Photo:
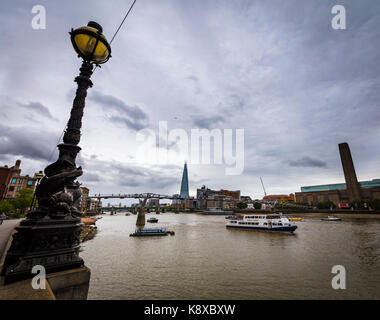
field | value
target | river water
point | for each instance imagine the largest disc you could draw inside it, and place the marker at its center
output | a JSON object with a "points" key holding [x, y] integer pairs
{"points": [[204, 260]]}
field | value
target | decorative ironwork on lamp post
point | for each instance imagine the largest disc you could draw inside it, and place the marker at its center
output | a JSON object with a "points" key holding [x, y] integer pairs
{"points": [[50, 235]]}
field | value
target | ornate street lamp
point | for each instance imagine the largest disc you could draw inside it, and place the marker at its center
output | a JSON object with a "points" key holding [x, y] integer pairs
{"points": [[50, 235], [90, 44]]}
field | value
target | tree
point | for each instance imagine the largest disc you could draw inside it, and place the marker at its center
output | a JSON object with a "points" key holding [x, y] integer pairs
{"points": [[325, 205], [5, 206], [242, 205], [357, 204], [375, 204], [23, 199], [257, 205]]}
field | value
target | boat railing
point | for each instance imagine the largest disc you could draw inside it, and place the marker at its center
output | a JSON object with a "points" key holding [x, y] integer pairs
{"points": [[151, 230], [234, 217]]}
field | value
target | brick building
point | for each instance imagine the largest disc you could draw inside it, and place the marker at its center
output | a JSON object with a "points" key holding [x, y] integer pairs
{"points": [[337, 193], [341, 193], [279, 197], [84, 201], [206, 192], [5, 178], [225, 199], [11, 180], [94, 206]]}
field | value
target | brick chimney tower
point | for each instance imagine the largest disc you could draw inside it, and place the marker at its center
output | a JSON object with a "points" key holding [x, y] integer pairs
{"points": [[353, 187]]}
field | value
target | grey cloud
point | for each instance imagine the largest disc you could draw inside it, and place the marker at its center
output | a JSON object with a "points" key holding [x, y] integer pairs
{"points": [[132, 124], [39, 108], [91, 177], [207, 122], [4, 157], [165, 182], [308, 162], [132, 182], [110, 101], [131, 116], [30, 143], [131, 178], [157, 183], [193, 78], [126, 169], [196, 83]]}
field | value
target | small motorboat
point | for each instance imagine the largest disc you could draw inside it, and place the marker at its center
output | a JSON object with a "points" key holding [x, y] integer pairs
{"points": [[149, 233], [295, 219], [331, 218], [152, 220], [152, 232]]}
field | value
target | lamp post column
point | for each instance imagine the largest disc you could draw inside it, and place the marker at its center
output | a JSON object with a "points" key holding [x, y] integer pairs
{"points": [[72, 134], [50, 235], [58, 195]]}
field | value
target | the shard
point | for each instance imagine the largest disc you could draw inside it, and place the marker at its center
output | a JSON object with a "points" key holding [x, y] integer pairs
{"points": [[184, 193]]}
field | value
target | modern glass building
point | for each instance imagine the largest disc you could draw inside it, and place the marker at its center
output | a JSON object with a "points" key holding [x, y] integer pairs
{"points": [[184, 193], [340, 186]]}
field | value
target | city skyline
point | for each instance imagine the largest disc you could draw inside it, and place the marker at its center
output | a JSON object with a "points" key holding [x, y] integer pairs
{"points": [[225, 66]]}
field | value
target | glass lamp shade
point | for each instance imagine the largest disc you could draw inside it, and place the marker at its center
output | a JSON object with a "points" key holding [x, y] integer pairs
{"points": [[91, 44], [39, 175]]}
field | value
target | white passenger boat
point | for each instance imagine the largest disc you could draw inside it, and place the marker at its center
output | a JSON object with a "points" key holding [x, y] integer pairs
{"points": [[261, 222]]}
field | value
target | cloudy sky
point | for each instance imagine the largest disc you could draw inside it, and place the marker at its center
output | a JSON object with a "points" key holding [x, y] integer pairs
{"points": [[276, 69]]}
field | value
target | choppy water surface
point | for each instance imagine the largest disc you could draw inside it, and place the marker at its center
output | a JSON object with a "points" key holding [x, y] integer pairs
{"points": [[204, 260]]}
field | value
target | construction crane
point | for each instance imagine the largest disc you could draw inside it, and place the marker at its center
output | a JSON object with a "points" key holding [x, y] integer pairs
{"points": [[262, 183]]}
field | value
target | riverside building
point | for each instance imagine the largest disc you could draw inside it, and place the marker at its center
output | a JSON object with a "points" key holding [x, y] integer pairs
{"points": [[11, 180], [337, 193], [223, 199], [341, 193]]}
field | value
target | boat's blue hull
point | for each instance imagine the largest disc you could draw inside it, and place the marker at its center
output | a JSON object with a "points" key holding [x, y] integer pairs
{"points": [[283, 229]]}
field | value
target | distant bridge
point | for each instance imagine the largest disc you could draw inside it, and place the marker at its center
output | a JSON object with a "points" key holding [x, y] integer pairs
{"points": [[135, 196]]}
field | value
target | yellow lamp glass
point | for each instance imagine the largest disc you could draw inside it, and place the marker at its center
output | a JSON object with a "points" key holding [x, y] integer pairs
{"points": [[86, 42]]}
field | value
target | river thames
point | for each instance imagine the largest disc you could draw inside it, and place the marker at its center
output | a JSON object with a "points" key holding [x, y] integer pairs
{"points": [[204, 260]]}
